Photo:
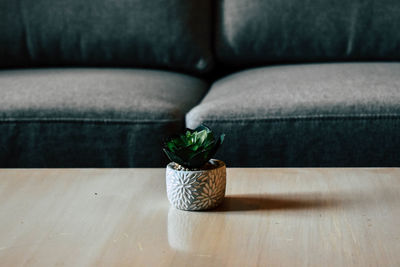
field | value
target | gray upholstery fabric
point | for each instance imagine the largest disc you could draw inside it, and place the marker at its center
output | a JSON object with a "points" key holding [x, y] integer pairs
{"points": [[256, 32], [91, 117], [307, 115], [172, 34]]}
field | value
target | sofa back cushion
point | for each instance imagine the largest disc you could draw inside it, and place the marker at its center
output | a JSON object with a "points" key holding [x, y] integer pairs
{"points": [[172, 34], [257, 32]]}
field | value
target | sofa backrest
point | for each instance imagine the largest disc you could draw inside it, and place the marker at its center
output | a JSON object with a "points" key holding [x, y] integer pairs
{"points": [[255, 32], [179, 34], [172, 34]]}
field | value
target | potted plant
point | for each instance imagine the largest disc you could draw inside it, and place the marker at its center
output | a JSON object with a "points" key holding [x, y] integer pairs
{"points": [[194, 180]]}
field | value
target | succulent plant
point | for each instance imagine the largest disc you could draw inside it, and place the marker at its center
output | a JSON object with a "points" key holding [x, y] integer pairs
{"points": [[194, 148]]}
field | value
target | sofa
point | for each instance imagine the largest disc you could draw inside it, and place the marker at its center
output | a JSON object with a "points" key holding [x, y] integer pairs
{"points": [[101, 83]]}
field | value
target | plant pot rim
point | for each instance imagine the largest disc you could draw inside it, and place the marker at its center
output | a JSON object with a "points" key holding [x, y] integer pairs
{"points": [[215, 162]]}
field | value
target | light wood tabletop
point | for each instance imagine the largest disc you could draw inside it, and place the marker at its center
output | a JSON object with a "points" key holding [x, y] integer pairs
{"points": [[270, 217]]}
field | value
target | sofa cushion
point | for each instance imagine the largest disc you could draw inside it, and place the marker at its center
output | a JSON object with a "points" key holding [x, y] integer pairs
{"points": [[91, 117], [173, 34], [256, 32], [307, 115]]}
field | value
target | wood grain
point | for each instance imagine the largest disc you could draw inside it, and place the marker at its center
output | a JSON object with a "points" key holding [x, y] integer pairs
{"points": [[270, 217]]}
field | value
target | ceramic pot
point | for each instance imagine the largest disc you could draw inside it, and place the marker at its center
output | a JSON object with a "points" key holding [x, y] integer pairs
{"points": [[196, 190]]}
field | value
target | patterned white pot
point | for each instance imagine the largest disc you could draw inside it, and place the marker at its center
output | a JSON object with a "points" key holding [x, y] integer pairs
{"points": [[196, 190]]}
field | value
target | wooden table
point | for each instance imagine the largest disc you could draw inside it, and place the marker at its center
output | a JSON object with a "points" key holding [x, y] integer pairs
{"points": [[271, 217]]}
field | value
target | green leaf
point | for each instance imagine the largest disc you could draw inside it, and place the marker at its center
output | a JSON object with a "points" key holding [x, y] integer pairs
{"points": [[173, 157], [171, 146], [178, 142], [184, 141], [200, 137], [201, 128], [209, 140], [193, 148], [222, 138], [199, 159]]}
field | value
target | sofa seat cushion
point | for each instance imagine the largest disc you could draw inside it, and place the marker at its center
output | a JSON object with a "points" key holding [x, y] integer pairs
{"points": [[91, 117], [344, 114]]}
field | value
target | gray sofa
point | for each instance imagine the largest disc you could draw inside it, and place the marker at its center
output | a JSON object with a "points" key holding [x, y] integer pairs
{"points": [[101, 83]]}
